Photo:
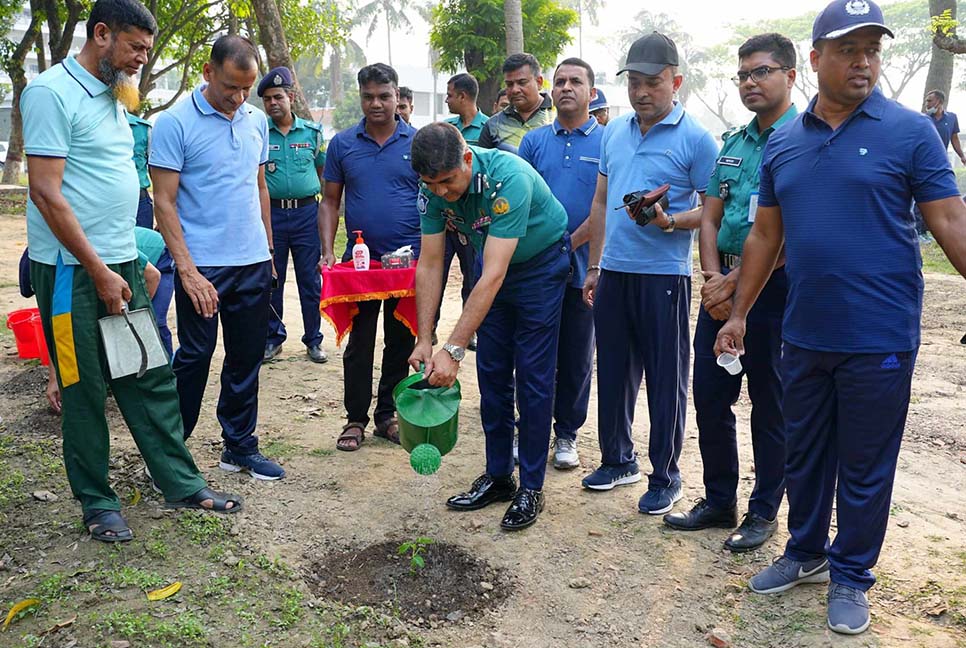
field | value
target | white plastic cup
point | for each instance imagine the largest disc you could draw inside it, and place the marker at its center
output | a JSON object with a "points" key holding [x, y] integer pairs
{"points": [[730, 363]]}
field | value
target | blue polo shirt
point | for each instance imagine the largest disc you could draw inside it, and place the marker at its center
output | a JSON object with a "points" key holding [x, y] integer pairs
{"points": [[379, 185], [852, 254], [70, 114], [218, 159], [678, 151], [568, 162], [946, 126]]}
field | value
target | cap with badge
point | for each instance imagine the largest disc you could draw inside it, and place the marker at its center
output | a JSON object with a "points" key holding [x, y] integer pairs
{"points": [[599, 102], [280, 77], [650, 55], [844, 16]]}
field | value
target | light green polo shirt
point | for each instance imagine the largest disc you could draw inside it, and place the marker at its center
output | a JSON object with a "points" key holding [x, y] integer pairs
{"points": [[472, 132], [294, 160], [506, 199], [141, 130], [69, 114], [737, 169]]}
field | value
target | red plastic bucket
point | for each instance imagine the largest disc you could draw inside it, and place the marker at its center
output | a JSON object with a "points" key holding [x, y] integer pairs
{"points": [[40, 339], [21, 323]]}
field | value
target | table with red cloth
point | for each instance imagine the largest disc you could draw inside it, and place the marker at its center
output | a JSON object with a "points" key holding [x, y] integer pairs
{"points": [[343, 286]]}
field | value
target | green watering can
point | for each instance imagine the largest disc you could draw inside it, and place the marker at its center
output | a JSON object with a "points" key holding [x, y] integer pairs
{"points": [[427, 414]]}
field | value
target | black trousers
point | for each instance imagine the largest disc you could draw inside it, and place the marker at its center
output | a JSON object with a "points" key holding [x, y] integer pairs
{"points": [[358, 359]]}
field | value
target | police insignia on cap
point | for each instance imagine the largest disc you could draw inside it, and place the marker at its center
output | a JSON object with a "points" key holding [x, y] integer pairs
{"points": [[724, 190], [277, 79], [857, 8], [422, 203], [501, 206]]}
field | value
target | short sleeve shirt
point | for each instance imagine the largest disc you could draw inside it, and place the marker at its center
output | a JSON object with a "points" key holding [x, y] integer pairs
{"points": [[735, 180], [472, 132], [150, 244], [294, 160], [947, 126], [568, 162], [68, 113], [677, 151], [380, 187], [141, 130], [506, 199], [852, 255], [505, 129], [218, 159]]}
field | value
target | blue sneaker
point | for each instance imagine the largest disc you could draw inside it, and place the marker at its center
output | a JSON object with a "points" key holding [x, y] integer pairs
{"points": [[848, 609], [610, 475], [785, 573], [659, 500], [255, 465]]}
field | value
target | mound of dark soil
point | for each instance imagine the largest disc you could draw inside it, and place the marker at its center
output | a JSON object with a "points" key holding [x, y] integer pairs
{"points": [[453, 585], [29, 381]]}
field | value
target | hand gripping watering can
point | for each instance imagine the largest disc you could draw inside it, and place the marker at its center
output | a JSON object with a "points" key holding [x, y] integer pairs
{"points": [[428, 420]]}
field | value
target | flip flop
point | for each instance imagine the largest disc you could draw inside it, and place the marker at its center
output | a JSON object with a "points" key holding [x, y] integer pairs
{"points": [[107, 526], [219, 502], [353, 434], [388, 430]]}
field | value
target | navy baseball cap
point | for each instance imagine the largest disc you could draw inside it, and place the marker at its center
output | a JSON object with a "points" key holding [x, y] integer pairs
{"points": [[600, 101], [280, 77], [843, 16], [650, 55]]}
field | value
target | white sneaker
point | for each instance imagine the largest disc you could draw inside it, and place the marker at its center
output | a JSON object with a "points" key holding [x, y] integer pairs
{"points": [[516, 449], [565, 454]]}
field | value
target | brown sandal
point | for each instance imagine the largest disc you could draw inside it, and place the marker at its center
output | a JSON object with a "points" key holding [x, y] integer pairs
{"points": [[388, 430], [353, 434]]}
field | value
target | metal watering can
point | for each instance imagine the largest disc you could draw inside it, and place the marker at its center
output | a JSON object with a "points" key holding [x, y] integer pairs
{"points": [[427, 414]]}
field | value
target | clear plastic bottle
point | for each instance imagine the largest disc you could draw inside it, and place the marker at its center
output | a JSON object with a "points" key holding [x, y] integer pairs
{"points": [[360, 252]]}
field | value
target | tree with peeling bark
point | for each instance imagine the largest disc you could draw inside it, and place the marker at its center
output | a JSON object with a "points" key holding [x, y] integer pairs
{"points": [[945, 43], [513, 18], [12, 57]]}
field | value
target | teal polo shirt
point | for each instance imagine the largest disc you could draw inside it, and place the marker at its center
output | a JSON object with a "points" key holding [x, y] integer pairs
{"points": [[735, 180], [141, 130], [70, 114], [294, 160], [472, 132], [507, 199]]}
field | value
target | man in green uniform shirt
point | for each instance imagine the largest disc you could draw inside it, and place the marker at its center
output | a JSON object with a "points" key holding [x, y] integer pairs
{"points": [[462, 91], [503, 206], [294, 176], [141, 130]]}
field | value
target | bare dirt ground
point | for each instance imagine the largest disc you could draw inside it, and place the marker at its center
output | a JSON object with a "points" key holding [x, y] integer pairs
{"points": [[593, 572]]}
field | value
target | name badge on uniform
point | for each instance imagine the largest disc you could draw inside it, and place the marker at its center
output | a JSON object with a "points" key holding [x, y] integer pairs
{"points": [[725, 160], [752, 207], [724, 190], [274, 147]]}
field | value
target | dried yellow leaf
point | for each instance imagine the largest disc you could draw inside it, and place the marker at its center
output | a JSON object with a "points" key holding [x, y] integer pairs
{"points": [[18, 608], [164, 592], [135, 497]]}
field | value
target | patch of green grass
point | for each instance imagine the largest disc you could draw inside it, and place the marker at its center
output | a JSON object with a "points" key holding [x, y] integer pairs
{"points": [[291, 611], [180, 631], [128, 576], [281, 449], [934, 260], [203, 529], [53, 587], [218, 586], [275, 566], [321, 452], [157, 547], [10, 482]]}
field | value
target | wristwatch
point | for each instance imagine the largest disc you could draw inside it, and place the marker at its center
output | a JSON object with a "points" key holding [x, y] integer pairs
{"points": [[457, 353], [670, 224]]}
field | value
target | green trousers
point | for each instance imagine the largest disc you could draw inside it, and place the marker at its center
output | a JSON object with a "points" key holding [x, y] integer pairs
{"points": [[149, 404]]}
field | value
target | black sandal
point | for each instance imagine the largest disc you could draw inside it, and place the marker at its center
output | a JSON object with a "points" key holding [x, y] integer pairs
{"points": [[388, 430], [107, 526], [219, 502]]}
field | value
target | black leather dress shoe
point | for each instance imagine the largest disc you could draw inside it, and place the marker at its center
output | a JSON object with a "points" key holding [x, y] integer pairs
{"points": [[272, 350], [484, 491], [702, 516], [527, 504], [752, 533]]}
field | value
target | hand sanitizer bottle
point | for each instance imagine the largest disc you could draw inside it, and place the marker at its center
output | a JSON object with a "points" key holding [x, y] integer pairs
{"points": [[360, 252]]}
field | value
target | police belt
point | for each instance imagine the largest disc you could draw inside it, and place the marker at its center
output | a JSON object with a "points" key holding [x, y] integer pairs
{"points": [[730, 260], [294, 203]]}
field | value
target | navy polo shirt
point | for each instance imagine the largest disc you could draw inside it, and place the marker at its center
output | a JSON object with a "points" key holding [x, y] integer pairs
{"points": [[379, 185], [853, 264], [568, 162], [946, 126]]}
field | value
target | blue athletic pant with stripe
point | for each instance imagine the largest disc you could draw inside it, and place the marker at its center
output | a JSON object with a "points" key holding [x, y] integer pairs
{"points": [[642, 329]]}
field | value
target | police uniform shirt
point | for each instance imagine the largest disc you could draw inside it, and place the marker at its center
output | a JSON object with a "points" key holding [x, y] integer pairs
{"points": [[294, 160], [472, 132], [141, 130], [506, 199], [735, 180], [505, 129], [852, 254]]}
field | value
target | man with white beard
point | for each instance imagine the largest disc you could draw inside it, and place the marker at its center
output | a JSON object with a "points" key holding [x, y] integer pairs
{"points": [[84, 265]]}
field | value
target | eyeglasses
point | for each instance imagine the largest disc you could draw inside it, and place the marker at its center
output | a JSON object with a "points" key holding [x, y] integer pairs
{"points": [[757, 75]]}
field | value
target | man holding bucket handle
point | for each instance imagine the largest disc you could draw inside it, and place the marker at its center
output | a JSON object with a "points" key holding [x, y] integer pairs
{"points": [[503, 206], [84, 265]]}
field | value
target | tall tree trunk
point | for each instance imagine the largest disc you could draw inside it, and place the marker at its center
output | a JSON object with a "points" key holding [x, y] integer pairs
{"points": [[18, 79], [513, 17], [272, 37], [41, 53], [233, 25], [335, 76], [940, 75], [61, 36], [389, 38]]}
